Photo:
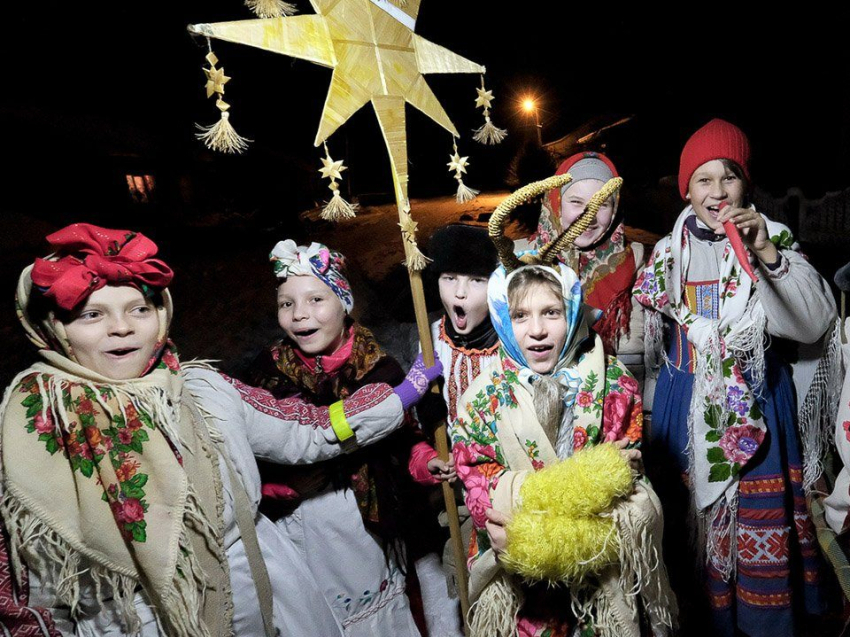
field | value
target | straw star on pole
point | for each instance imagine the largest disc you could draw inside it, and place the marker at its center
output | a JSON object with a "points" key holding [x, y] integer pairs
{"points": [[376, 57]]}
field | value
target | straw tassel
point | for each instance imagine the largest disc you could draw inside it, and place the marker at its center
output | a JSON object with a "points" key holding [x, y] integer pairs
{"points": [[221, 136], [337, 208], [415, 261], [488, 133], [271, 8], [458, 164]]}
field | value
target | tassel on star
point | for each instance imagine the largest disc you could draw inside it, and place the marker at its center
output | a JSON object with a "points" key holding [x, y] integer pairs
{"points": [[489, 133], [337, 208], [271, 8], [458, 164], [221, 136]]}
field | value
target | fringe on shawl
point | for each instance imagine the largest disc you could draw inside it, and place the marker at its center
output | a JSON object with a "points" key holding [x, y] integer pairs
{"points": [[495, 612], [616, 322], [33, 542], [653, 342], [714, 527], [613, 610], [642, 571], [817, 414]]}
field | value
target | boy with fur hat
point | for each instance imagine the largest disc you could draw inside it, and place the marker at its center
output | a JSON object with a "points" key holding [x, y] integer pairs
{"points": [[464, 338]]}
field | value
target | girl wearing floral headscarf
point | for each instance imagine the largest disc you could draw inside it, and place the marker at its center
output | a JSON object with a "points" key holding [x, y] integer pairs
{"points": [[724, 430], [553, 395], [129, 487], [352, 515], [605, 261]]}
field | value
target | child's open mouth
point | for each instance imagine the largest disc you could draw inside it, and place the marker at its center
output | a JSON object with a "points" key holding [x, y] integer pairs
{"points": [[459, 317], [302, 334], [713, 210], [121, 352], [540, 352]]}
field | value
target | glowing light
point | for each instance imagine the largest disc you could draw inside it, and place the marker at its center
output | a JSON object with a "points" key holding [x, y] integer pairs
{"points": [[528, 105]]}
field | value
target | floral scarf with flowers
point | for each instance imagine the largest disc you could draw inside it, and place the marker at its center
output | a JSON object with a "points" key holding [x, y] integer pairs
{"points": [[93, 482], [725, 423], [607, 271], [497, 433], [316, 260], [496, 436], [500, 316]]}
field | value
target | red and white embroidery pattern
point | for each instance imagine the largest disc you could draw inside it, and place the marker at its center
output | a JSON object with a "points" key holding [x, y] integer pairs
{"points": [[297, 410], [16, 618], [763, 546]]}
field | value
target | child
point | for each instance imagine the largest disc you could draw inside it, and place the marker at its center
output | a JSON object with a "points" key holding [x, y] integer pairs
{"points": [[464, 338], [552, 394], [724, 417], [350, 516], [606, 263], [129, 484]]}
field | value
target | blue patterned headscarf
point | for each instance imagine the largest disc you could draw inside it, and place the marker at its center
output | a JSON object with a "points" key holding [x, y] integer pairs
{"points": [[497, 299], [316, 260]]}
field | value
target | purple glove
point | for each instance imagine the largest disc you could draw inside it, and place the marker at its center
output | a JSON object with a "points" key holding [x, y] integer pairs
{"points": [[415, 384]]}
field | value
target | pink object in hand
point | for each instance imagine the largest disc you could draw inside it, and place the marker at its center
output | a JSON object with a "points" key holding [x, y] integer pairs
{"points": [[738, 245]]}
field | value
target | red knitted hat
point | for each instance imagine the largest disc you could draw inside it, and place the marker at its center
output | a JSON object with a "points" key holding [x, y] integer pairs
{"points": [[716, 140]]}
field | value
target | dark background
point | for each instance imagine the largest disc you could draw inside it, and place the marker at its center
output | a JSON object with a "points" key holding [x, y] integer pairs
{"points": [[92, 92]]}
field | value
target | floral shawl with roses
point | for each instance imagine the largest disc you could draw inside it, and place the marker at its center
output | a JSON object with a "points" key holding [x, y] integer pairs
{"points": [[725, 423], [95, 489], [497, 430], [497, 438]]}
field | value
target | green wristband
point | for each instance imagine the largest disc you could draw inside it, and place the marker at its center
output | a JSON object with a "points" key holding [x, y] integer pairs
{"points": [[338, 422]]}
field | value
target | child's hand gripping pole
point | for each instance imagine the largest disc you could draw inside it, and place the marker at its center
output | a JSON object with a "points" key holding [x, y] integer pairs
{"points": [[738, 245]]}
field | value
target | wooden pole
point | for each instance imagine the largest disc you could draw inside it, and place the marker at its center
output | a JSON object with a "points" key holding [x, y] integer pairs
{"points": [[390, 112]]}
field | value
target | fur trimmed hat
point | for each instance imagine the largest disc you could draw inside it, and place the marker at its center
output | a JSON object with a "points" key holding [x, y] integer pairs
{"points": [[462, 249]]}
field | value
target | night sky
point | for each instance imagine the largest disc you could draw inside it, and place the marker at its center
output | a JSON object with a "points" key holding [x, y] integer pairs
{"points": [[94, 90]]}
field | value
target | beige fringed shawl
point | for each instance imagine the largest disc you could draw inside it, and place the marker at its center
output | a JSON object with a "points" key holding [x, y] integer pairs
{"points": [[110, 487], [609, 600]]}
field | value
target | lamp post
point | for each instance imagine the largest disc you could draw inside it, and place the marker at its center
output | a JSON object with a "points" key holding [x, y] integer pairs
{"points": [[530, 106]]}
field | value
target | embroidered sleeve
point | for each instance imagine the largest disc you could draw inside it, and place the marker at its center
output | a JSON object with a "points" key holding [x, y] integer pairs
{"points": [[292, 431], [302, 412], [622, 408]]}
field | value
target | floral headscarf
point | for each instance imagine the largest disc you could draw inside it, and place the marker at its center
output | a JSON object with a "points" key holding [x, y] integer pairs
{"points": [[317, 260], [500, 315], [109, 473], [607, 269]]}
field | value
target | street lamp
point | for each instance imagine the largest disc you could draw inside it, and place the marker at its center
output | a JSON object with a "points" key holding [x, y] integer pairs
{"points": [[530, 106]]}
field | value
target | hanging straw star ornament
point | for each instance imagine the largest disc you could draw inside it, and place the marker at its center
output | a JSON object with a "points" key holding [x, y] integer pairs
{"points": [[337, 208], [458, 164], [487, 134], [415, 261], [221, 136], [271, 8]]}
